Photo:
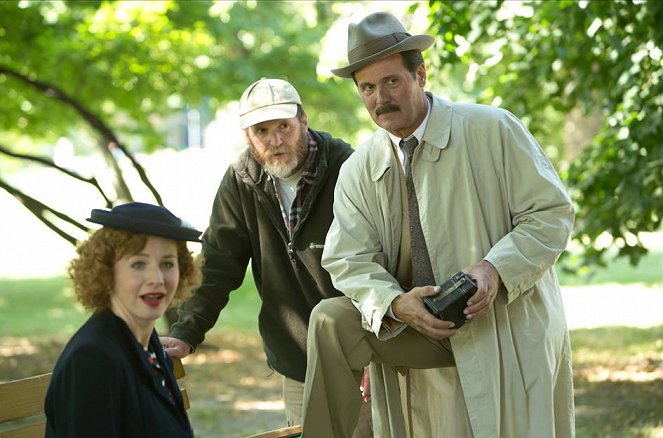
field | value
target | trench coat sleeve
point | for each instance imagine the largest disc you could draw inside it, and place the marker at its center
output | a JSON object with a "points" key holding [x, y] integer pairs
{"points": [[86, 406], [540, 210], [354, 248]]}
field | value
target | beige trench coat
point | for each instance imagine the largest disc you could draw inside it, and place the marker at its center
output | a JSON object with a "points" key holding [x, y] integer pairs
{"points": [[486, 191]]}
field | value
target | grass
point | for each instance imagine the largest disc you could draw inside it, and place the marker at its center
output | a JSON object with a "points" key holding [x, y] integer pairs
{"points": [[37, 308], [53, 297], [607, 346], [618, 377], [618, 371]]}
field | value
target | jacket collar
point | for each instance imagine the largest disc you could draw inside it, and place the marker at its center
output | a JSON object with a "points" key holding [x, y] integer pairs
{"points": [[436, 138]]}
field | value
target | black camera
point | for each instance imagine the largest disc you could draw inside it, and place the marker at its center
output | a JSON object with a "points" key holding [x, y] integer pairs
{"points": [[450, 302]]}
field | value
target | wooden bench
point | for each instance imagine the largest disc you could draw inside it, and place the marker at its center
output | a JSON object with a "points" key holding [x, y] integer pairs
{"points": [[286, 432], [22, 404], [178, 370], [22, 407]]}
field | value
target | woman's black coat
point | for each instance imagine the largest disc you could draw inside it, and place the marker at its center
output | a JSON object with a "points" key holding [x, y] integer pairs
{"points": [[102, 386]]}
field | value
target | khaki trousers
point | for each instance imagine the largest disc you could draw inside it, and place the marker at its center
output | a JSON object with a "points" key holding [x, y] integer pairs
{"points": [[293, 394], [338, 350]]}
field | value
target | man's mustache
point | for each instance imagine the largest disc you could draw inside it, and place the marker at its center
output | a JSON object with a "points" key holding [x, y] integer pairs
{"points": [[277, 150], [388, 108]]}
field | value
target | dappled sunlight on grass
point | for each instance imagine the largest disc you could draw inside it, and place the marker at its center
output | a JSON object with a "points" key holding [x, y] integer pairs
{"points": [[616, 337], [220, 356], [633, 374], [618, 354], [655, 432], [618, 378], [231, 388], [259, 405], [17, 347], [620, 409], [645, 367], [22, 357]]}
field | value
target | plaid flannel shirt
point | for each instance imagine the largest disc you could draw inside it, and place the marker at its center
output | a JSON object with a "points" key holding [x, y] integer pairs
{"points": [[309, 173]]}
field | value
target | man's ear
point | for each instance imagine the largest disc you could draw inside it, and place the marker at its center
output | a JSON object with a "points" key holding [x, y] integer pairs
{"points": [[246, 135], [304, 119], [421, 75]]}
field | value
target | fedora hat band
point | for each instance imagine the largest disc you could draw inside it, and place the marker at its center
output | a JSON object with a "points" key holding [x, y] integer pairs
{"points": [[375, 46]]}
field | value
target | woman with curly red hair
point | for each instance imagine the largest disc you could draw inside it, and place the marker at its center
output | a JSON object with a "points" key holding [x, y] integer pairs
{"points": [[113, 378]]}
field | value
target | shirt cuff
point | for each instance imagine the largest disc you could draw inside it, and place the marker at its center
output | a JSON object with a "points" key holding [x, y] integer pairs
{"points": [[390, 314]]}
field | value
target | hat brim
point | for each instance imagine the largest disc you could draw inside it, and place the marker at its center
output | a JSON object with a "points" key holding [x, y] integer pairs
{"points": [[418, 42], [141, 226], [272, 112]]}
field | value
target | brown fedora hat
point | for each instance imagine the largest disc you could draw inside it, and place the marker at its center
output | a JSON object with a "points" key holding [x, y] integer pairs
{"points": [[378, 36]]}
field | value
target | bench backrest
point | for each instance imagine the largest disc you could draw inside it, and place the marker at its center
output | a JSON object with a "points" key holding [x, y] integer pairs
{"points": [[22, 404], [22, 407], [178, 370], [286, 432]]}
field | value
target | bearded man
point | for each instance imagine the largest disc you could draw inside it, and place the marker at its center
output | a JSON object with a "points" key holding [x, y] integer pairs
{"points": [[273, 208]]}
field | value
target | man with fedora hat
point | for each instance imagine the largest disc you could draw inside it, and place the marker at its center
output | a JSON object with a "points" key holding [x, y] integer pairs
{"points": [[273, 209], [440, 188]]}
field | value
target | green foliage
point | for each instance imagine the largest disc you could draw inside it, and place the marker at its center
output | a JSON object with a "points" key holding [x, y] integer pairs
{"points": [[543, 59], [111, 75], [133, 63]]}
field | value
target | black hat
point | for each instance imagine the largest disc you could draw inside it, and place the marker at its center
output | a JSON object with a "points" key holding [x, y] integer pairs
{"points": [[142, 218]]}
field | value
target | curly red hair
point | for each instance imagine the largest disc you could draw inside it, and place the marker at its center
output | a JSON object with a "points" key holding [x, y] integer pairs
{"points": [[92, 271]]}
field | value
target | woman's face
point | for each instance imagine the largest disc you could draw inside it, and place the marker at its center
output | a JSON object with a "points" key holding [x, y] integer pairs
{"points": [[144, 284]]}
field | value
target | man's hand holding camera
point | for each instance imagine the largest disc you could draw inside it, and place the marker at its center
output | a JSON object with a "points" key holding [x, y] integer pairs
{"points": [[409, 308], [488, 280]]}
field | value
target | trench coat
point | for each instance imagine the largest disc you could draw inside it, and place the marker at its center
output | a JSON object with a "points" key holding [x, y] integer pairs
{"points": [[486, 190]]}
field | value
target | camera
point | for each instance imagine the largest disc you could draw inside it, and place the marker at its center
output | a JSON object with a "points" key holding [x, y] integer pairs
{"points": [[450, 302]]}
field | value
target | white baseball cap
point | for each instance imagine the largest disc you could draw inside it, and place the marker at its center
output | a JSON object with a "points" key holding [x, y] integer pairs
{"points": [[267, 99]]}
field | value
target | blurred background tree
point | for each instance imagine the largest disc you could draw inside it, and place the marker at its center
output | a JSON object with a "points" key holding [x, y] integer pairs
{"points": [[112, 77], [108, 75], [587, 79]]}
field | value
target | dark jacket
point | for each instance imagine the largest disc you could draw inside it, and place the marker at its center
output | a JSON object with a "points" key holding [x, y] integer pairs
{"points": [[102, 386], [246, 224]]}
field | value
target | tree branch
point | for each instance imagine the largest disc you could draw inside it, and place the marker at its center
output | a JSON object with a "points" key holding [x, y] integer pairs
{"points": [[50, 163], [97, 124], [38, 209]]}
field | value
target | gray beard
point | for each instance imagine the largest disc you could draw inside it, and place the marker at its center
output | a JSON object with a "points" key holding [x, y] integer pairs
{"points": [[280, 168]]}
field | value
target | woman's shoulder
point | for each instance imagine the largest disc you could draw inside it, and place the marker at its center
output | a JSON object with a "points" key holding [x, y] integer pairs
{"points": [[96, 341]]}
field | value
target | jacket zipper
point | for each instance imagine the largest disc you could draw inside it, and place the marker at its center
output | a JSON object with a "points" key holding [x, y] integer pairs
{"points": [[278, 219], [291, 254]]}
